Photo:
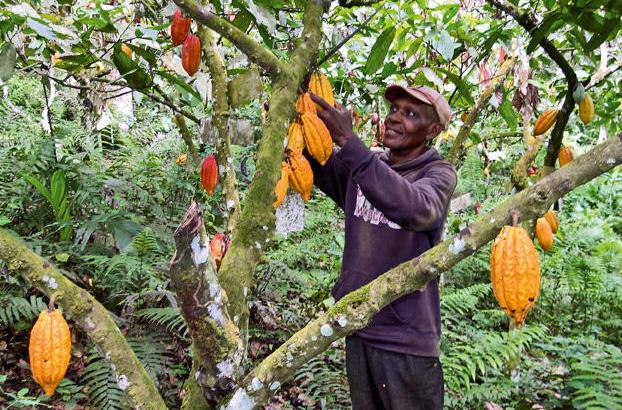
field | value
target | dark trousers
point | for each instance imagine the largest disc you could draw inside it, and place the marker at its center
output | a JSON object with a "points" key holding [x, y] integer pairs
{"points": [[383, 380]]}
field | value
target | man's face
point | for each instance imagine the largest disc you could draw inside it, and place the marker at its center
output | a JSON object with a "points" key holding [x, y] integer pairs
{"points": [[408, 125]]}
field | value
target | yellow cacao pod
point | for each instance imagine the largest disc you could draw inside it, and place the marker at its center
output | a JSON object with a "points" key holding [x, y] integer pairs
{"points": [[281, 185], [295, 137], [304, 103], [317, 137], [544, 233], [515, 272], [586, 109], [551, 218], [546, 121], [565, 155], [319, 84], [49, 349], [300, 175]]}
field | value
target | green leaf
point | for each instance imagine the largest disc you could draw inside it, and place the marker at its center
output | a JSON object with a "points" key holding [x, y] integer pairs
{"points": [[57, 188], [445, 45], [596, 40], [465, 92], [548, 25], [507, 112], [173, 79], [8, 56], [379, 50], [243, 20], [62, 257], [38, 185], [41, 29], [135, 75], [4, 220]]}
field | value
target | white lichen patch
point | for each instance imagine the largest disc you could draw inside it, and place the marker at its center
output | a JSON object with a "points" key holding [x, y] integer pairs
{"points": [[264, 227], [457, 246], [230, 203], [245, 290], [122, 382], [241, 401], [197, 375], [225, 369], [229, 160], [52, 283], [214, 290], [492, 220], [216, 313], [289, 357], [275, 385], [342, 321], [256, 384], [221, 169], [313, 338], [326, 330], [285, 142], [611, 161], [257, 245], [236, 318], [200, 254]]}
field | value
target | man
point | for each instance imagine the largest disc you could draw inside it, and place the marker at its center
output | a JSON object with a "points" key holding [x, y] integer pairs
{"points": [[395, 205]]}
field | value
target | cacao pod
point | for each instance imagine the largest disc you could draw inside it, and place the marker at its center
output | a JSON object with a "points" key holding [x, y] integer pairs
{"points": [[531, 171], [515, 272], [374, 119], [317, 137], [551, 218], [565, 155], [319, 84], [128, 51], [49, 349], [464, 116], [191, 54], [281, 185], [586, 109], [578, 94], [180, 27], [304, 103], [546, 121], [181, 159], [295, 137], [300, 175], [544, 233], [209, 173], [218, 247]]}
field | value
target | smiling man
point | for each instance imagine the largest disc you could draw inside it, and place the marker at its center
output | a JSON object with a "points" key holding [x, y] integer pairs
{"points": [[395, 205]]}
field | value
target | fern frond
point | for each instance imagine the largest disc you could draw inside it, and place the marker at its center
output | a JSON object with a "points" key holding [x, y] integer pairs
{"points": [[460, 301], [16, 309], [103, 392], [170, 317], [152, 353]]}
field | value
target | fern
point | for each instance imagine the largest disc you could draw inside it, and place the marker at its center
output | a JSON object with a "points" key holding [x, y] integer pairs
{"points": [[152, 353], [460, 301], [145, 244], [103, 391], [170, 317], [14, 310]]}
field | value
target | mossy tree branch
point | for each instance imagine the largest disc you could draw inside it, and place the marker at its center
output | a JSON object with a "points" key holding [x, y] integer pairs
{"points": [[255, 51], [87, 313], [358, 307], [180, 121], [465, 130]]}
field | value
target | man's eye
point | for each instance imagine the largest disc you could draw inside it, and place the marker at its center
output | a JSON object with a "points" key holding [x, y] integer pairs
{"points": [[411, 113]]}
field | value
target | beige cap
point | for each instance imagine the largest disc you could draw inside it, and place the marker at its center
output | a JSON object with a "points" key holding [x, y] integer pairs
{"points": [[426, 95]]}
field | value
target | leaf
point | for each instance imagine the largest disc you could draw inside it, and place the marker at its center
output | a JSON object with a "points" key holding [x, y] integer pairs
{"points": [[57, 188], [596, 40], [38, 185], [379, 50], [548, 25], [41, 29], [174, 80], [62, 257], [4, 220], [8, 56], [243, 19], [135, 75], [445, 46], [507, 112], [461, 85]]}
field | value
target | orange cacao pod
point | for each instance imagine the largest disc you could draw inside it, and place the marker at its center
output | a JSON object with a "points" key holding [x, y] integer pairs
{"points": [[551, 218], [180, 27], [281, 185], [515, 272], [317, 137], [218, 247], [565, 155], [209, 173], [544, 233], [586, 109], [128, 51], [305, 103], [546, 121], [319, 84], [301, 175], [295, 137], [191, 54], [49, 349]]}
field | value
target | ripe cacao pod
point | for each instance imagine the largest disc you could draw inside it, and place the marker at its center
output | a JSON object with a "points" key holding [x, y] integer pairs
{"points": [[544, 233], [281, 185], [546, 121], [317, 137], [300, 175], [319, 84], [218, 247], [515, 272], [586, 109], [464, 116], [49, 349], [295, 137], [565, 155], [551, 218], [180, 27], [304, 103], [209, 173], [128, 51], [191, 54]]}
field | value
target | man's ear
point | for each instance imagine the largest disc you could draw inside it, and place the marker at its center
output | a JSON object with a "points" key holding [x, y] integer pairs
{"points": [[434, 130]]}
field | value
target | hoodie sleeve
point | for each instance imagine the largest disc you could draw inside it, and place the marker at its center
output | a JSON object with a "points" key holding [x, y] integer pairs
{"points": [[418, 206], [331, 178]]}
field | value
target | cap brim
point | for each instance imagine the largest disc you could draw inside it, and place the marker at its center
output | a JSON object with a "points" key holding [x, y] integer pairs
{"points": [[394, 91]]}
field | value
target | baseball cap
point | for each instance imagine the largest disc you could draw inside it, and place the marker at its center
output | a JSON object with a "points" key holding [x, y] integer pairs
{"points": [[424, 94]]}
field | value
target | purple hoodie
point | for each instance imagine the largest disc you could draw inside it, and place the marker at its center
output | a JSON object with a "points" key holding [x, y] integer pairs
{"points": [[393, 213]]}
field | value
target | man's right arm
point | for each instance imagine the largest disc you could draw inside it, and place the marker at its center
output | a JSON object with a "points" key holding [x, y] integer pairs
{"points": [[332, 178]]}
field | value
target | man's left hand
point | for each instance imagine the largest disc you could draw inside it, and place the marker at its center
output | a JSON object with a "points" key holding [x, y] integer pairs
{"points": [[337, 119]]}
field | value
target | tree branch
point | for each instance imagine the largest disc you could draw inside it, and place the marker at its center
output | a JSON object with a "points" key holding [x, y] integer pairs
{"points": [[358, 307], [88, 314], [180, 121]]}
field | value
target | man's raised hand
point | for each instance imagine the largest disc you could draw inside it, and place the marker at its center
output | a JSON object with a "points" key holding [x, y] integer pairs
{"points": [[337, 119]]}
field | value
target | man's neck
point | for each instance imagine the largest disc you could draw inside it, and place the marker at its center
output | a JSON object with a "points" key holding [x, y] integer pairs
{"points": [[397, 157]]}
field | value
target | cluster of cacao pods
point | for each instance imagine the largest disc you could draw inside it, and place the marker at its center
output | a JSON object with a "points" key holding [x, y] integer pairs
{"points": [[545, 228], [49, 349], [191, 44], [515, 272], [306, 130], [209, 173], [218, 246]]}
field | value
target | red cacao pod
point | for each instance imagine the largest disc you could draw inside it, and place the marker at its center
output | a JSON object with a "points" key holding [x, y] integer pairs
{"points": [[218, 247], [531, 171], [209, 173], [180, 27], [374, 119], [191, 54]]}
